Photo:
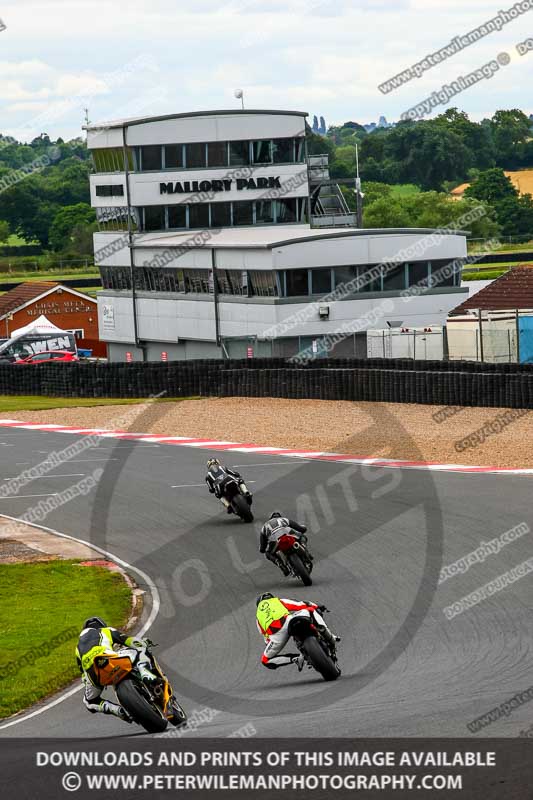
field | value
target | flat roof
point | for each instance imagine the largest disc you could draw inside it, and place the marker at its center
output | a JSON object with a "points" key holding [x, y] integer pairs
{"points": [[120, 123], [268, 237]]}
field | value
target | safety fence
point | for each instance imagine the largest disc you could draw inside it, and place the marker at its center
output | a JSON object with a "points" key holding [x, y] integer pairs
{"points": [[399, 381]]}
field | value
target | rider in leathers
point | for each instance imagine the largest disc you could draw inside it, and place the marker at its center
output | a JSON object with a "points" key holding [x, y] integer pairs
{"points": [[97, 639], [217, 475], [272, 617], [271, 527]]}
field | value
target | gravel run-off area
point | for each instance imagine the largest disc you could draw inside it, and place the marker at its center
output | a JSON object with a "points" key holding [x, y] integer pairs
{"points": [[389, 430]]}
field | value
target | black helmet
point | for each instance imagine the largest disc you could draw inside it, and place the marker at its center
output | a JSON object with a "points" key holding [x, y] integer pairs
{"points": [[94, 622], [264, 596], [276, 514], [213, 462]]}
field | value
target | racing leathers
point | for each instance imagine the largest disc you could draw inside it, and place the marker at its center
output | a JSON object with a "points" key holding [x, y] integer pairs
{"points": [[216, 479], [272, 618], [94, 643], [274, 526]]}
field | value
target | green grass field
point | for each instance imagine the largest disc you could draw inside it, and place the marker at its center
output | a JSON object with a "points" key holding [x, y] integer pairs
{"points": [[486, 275], [47, 275], [14, 240], [41, 601], [10, 404], [404, 189]]}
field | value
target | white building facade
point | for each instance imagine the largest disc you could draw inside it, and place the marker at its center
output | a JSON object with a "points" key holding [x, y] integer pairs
{"points": [[219, 237]]}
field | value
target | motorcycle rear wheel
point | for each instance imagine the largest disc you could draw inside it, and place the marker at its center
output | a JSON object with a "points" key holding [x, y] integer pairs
{"points": [[139, 708], [320, 660], [298, 566], [242, 508]]}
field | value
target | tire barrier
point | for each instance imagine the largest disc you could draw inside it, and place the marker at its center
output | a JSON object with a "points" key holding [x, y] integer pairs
{"points": [[394, 381]]}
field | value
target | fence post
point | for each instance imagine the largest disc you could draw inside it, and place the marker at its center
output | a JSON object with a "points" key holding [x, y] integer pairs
{"points": [[517, 319], [481, 352]]}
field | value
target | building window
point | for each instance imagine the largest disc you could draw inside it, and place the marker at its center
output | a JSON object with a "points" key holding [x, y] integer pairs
{"points": [[283, 151], [394, 278], [301, 205], [217, 154], [232, 281], [243, 213], [158, 279], [115, 278], [177, 216], [173, 156], [444, 273], [151, 158], [320, 281], [262, 151], [345, 275], [111, 218], [110, 190], [285, 210], [154, 218], [296, 282], [418, 273], [198, 281], [199, 215], [239, 154], [369, 278], [264, 212], [262, 283], [195, 155], [111, 159], [220, 215]]}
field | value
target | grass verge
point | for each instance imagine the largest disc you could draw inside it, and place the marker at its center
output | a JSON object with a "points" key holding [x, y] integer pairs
{"points": [[48, 275], [9, 403], [43, 608]]}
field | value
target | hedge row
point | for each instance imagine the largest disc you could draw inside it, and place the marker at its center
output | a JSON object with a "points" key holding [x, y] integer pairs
{"points": [[190, 378]]}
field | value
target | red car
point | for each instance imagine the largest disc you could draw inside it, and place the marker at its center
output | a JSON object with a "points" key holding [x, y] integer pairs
{"points": [[51, 355]]}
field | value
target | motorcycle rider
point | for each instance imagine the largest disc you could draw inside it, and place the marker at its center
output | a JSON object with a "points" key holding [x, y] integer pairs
{"points": [[272, 617], [97, 639], [272, 526], [216, 478]]}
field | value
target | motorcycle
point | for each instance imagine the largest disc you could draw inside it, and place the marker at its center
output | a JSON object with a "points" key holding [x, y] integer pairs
{"points": [[239, 498], [291, 548], [318, 652], [152, 706]]}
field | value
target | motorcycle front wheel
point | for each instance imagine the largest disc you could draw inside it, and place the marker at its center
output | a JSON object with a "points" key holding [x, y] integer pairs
{"points": [[140, 709]]}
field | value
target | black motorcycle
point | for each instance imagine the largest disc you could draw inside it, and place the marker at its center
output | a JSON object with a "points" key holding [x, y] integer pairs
{"points": [[239, 498], [291, 548], [318, 652]]}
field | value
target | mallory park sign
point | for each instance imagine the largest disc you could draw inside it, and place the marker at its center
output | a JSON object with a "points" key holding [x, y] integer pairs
{"points": [[224, 185]]}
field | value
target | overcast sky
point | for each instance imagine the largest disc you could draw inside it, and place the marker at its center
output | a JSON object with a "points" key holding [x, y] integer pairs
{"points": [[142, 57]]}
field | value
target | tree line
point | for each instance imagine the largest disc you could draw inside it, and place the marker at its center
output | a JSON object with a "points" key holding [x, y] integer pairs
{"points": [[434, 156], [44, 184]]}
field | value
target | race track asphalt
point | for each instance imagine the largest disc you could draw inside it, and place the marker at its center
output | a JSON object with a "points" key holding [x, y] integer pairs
{"points": [[379, 536]]}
